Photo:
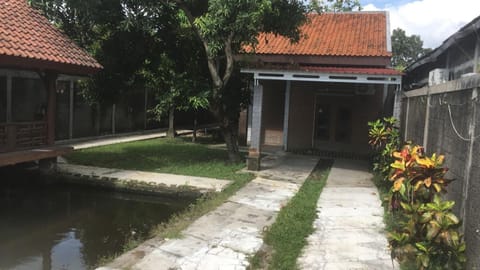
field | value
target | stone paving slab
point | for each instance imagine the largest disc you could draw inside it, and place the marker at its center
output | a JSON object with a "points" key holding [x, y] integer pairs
{"points": [[226, 237], [114, 139], [202, 184], [349, 229]]}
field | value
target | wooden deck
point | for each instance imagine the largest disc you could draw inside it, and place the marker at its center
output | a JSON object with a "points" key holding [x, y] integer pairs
{"points": [[28, 155]]}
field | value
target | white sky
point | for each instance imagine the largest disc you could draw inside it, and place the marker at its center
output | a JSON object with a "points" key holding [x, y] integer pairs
{"points": [[433, 20]]}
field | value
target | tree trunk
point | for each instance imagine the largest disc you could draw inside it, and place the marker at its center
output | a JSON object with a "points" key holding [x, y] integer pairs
{"points": [[195, 122], [230, 134], [171, 123], [231, 140]]}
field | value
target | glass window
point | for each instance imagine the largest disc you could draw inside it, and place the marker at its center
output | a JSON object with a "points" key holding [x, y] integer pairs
{"points": [[3, 99], [29, 100]]}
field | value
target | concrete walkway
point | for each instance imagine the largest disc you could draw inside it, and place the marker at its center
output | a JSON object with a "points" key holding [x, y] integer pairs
{"points": [[114, 139], [133, 179], [349, 231], [226, 237]]}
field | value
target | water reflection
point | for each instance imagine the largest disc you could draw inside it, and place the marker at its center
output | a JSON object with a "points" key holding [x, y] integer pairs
{"points": [[48, 225]]}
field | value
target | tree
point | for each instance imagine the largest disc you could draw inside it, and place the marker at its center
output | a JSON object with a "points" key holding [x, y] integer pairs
{"points": [[223, 27], [174, 75], [320, 6], [406, 49]]}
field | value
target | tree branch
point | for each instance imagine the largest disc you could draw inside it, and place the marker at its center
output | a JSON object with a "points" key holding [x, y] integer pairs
{"points": [[230, 60], [212, 65]]}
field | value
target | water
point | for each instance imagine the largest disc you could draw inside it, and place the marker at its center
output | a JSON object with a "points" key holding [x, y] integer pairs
{"points": [[47, 224]]}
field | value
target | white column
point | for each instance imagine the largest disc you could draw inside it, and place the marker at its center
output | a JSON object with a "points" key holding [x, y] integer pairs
{"points": [[286, 114], [256, 136], [397, 105]]}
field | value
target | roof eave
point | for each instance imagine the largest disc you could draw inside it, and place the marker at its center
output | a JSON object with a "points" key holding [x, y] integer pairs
{"points": [[446, 44], [16, 62]]}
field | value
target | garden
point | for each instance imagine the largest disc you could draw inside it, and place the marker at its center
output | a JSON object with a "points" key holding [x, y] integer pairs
{"points": [[423, 231]]}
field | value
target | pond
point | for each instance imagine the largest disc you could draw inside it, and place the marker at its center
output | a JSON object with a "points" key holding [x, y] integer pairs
{"points": [[46, 224]]}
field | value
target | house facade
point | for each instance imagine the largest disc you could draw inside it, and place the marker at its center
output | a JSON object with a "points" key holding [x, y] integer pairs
{"points": [[36, 60], [318, 94]]}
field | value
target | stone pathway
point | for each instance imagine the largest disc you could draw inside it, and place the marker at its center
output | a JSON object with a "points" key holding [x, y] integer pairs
{"points": [[114, 139], [226, 237], [349, 230], [133, 179]]}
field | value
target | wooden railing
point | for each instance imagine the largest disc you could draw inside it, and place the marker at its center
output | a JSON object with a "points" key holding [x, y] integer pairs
{"points": [[22, 135]]}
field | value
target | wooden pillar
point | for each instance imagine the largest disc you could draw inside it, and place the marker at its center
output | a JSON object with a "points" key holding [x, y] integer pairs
{"points": [[9, 99], [71, 107], [50, 81], [253, 161]]}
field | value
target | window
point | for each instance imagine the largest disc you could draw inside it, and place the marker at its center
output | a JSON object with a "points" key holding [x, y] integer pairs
{"points": [[29, 100]]}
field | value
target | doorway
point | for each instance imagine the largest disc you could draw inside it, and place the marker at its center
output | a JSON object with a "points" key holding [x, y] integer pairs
{"points": [[333, 121]]}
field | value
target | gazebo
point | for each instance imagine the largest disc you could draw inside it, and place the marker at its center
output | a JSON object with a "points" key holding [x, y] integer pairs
{"points": [[33, 56]]}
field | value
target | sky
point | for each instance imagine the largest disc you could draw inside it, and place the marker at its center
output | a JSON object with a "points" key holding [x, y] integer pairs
{"points": [[433, 20]]}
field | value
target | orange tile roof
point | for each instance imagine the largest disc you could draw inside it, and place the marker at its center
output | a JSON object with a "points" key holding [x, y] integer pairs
{"points": [[26, 36], [333, 34], [341, 70]]}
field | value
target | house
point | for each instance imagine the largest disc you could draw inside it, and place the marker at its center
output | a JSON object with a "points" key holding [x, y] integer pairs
{"points": [[457, 56], [318, 94], [441, 112], [34, 56]]}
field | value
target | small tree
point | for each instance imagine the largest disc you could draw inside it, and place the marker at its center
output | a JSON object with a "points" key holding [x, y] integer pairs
{"points": [[320, 6], [406, 49], [223, 27]]}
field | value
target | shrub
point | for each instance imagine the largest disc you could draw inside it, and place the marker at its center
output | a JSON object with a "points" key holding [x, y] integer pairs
{"points": [[428, 231], [384, 138]]}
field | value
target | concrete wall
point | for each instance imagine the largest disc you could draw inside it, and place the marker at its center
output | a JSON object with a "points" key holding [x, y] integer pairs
{"points": [[442, 139], [273, 112]]}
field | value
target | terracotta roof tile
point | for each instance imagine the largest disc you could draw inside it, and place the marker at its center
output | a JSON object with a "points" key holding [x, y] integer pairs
{"points": [[333, 34], [25, 33]]}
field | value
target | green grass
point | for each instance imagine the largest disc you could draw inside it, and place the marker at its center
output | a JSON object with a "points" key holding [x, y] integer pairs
{"points": [[287, 236], [177, 156], [174, 156]]}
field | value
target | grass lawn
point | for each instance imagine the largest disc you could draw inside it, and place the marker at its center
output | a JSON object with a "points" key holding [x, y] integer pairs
{"points": [[287, 236], [176, 156]]}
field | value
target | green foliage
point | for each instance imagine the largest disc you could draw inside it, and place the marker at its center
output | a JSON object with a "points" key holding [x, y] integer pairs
{"points": [[428, 234], [428, 230], [422, 227], [406, 49], [320, 6], [384, 138]]}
